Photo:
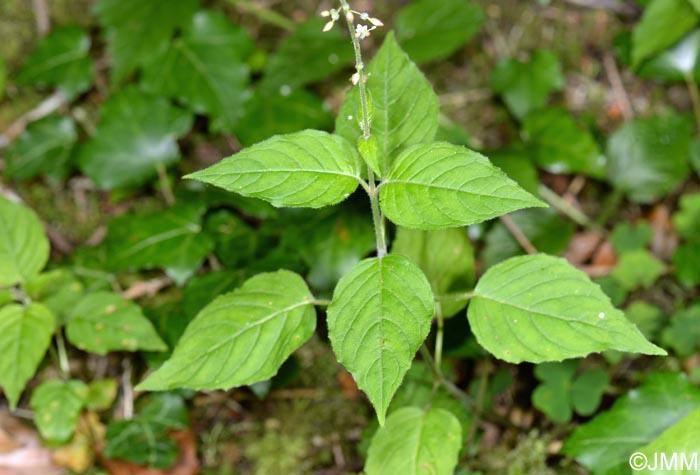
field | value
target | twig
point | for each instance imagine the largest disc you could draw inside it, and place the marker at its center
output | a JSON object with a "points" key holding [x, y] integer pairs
{"points": [[518, 234], [147, 287], [127, 402], [565, 208], [47, 106], [41, 15], [617, 86]]}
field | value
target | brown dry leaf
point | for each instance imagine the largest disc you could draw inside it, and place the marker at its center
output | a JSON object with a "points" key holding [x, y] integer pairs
{"points": [[187, 462], [582, 246], [28, 457], [79, 454], [664, 241], [348, 385], [605, 256]]}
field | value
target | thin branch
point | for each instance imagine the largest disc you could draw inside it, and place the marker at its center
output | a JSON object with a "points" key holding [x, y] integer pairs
{"points": [[617, 86], [47, 106], [147, 287], [41, 15], [518, 234], [566, 208]]}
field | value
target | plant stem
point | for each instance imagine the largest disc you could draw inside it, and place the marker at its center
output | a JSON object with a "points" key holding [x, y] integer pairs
{"points": [[439, 336], [565, 207], [321, 302], [377, 218], [264, 14], [695, 98], [63, 362]]}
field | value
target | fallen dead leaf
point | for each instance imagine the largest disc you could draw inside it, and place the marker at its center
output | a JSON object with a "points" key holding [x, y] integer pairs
{"points": [[27, 457], [582, 247]]}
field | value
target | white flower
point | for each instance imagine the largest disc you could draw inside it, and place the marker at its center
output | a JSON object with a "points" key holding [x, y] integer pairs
{"points": [[376, 22], [355, 79], [362, 31], [328, 26]]}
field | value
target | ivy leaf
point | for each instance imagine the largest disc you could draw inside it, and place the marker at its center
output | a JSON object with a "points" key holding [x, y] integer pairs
{"points": [[61, 60], [24, 248], [241, 337], [681, 441], [663, 23], [539, 308], [430, 31], [134, 29], [44, 148], [442, 185], [648, 157], [683, 334], [525, 86], [25, 334], [560, 146], [171, 239], [604, 444], [205, 68], [404, 106], [270, 113], [59, 290], [140, 441], [379, 316], [137, 133], [415, 442], [677, 63], [687, 219], [445, 256], [309, 168], [637, 269], [311, 53], [103, 321], [57, 406]]}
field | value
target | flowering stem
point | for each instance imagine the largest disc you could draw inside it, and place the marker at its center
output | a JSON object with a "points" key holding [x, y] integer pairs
{"points": [[377, 218]]}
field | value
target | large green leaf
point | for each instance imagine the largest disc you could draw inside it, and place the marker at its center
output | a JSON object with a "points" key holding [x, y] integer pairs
{"points": [[57, 406], [103, 321], [241, 337], [25, 334], [171, 239], [648, 158], [61, 60], [311, 53], [560, 146], [416, 442], [680, 445], [404, 106], [430, 31], [24, 248], [440, 185], [664, 22], [525, 86], [605, 444], [205, 68], [44, 148], [140, 441], [539, 308], [378, 318], [137, 133], [135, 29], [309, 168]]}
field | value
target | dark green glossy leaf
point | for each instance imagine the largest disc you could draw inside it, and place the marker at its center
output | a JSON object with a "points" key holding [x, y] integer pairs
{"points": [[24, 249], [57, 406], [44, 148], [61, 60], [204, 68], [236, 242], [137, 133], [430, 31]]}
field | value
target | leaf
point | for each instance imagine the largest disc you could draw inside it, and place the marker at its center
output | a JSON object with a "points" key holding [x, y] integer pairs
{"points": [[309, 168], [637, 269], [648, 157], [405, 108], [686, 220], [103, 321], [553, 396], [663, 23], [539, 308], [137, 133], [430, 31], [677, 63], [525, 86], [24, 249], [285, 111], [605, 444], [679, 444], [205, 69], [101, 394], [171, 239], [683, 333], [134, 29], [166, 410], [61, 60], [311, 53], [515, 161], [445, 256], [441, 185], [44, 148], [59, 290], [236, 242], [202, 289], [241, 337], [57, 406], [140, 441], [416, 442], [631, 236], [25, 335], [544, 228], [686, 263], [378, 318], [560, 146], [587, 391]]}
